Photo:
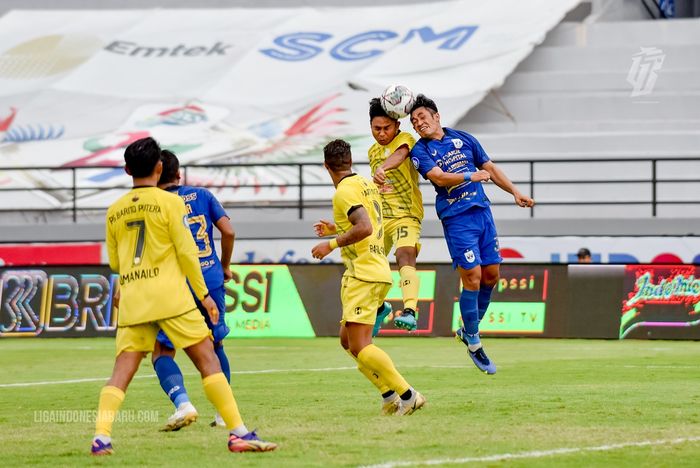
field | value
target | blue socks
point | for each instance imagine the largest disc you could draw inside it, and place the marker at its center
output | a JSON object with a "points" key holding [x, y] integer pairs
{"points": [[484, 300], [468, 306], [223, 360], [171, 380]]}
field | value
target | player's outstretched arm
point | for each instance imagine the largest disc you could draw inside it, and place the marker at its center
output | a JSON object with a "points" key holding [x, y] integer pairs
{"points": [[394, 160], [325, 228], [449, 179], [361, 228], [501, 179], [228, 237]]}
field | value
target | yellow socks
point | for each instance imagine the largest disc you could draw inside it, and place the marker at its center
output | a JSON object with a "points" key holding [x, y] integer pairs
{"points": [[218, 391], [371, 376], [409, 284], [379, 362], [111, 399]]}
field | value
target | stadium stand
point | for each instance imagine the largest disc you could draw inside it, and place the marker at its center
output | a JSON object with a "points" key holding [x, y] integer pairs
{"points": [[568, 100]]}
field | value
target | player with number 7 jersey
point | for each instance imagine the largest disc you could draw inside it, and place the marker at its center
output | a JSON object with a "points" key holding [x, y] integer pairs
{"points": [[158, 255]]}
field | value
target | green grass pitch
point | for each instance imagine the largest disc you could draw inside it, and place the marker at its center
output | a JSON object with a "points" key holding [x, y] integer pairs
{"points": [[552, 403]]}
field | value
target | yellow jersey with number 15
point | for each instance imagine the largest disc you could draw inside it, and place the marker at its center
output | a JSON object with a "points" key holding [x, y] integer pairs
{"points": [[364, 260], [400, 194], [150, 246]]}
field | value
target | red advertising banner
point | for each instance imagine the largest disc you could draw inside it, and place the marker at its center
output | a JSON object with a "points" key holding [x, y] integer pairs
{"points": [[84, 253]]}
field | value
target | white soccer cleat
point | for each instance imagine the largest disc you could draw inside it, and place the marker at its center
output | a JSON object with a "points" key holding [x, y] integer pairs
{"points": [[185, 415]]}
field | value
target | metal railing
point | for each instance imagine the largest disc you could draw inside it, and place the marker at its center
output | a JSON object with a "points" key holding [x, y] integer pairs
{"points": [[528, 181]]}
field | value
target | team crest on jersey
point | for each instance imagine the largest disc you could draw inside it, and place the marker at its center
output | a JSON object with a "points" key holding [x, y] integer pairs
{"points": [[457, 142], [469, 256], [415, 162]]}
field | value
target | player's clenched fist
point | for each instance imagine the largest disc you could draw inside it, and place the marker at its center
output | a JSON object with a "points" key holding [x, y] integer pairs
{"points": [[523, 200], [324, 228], [379, 176]]}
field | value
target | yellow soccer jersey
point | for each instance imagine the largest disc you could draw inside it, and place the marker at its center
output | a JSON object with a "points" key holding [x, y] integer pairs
{"points": [[364, 260], [151, 247], [400, 194]]}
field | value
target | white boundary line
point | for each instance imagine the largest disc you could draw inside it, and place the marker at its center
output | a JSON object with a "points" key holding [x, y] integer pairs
{"points": [[534, 453], [145, 376], [243, 372]]}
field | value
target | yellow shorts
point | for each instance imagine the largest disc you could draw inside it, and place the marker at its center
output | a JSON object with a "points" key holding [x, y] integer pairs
{"points": [[401, 232], [184, 331], [361, 299]]}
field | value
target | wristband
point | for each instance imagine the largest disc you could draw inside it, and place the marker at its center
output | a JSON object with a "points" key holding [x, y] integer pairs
{"points": [[333, 243], [468, 176], [205, 296]]}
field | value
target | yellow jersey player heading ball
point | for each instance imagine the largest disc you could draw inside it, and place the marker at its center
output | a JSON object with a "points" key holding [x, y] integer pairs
{"points": [[357, 214], [402, 206]]}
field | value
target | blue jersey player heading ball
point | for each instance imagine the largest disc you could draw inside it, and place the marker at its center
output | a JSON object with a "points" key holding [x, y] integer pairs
{"points": [[456, 164], [203, 213]]}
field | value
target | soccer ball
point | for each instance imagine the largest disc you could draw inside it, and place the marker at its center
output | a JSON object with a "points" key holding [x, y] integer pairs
{"points": [[397, 101]]}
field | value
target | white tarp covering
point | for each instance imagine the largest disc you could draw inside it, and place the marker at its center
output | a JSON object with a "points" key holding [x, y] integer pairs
{"points": [[237, 85]]}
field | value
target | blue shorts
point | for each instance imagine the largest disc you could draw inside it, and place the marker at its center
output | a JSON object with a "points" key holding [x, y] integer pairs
{"points": [[471, 238], [219, 331]]}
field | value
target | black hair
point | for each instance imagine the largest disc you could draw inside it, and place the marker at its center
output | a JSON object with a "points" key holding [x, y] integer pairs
{"points": [[583, 252], [424, 101], [142, 156], [376, 110], [171, 166], [337, 155]]}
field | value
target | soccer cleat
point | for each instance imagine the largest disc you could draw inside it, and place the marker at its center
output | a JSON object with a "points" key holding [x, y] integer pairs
{"points": [[99, 448], [249, 443], [218, 421], [412, 405], [479, 357], [185, 415], [381, 315], [407, 320], [392, 406]]}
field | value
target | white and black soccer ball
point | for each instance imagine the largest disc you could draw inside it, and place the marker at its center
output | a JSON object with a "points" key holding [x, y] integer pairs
{"points": [[397, 101]]}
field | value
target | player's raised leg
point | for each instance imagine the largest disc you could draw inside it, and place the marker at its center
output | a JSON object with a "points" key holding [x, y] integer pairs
{"points": [[173, 384], [469, 309], [409, 283]]}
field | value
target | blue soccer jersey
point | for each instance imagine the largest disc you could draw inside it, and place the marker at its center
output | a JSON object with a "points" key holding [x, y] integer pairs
{"points": [[456, 152], [204, 210]]}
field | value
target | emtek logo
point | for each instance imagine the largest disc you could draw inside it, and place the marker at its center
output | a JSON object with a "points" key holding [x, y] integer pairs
{"points": [[135, 50], [299, 46]]}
